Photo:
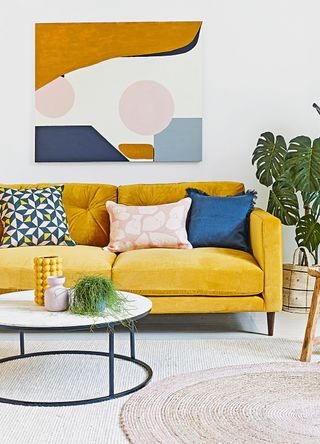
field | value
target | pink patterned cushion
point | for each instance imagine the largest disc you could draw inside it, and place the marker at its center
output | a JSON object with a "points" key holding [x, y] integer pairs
{"points": [[153, 226]]}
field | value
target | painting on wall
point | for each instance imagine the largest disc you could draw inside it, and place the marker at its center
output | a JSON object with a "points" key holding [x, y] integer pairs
{"points": [[122, 92]]}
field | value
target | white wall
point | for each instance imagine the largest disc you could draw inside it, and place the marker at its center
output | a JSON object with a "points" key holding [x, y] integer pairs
{"points": [[261, 72]]}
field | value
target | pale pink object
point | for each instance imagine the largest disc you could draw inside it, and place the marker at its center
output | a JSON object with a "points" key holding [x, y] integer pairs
{"points": [[56, 296], [146, 107], [153, 226], [56, 98]]}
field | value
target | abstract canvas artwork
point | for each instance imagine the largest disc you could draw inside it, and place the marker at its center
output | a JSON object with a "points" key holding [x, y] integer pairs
{"points": [[122, 92]]}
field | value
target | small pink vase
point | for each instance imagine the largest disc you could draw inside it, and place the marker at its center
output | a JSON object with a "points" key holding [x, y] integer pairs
{"points": [[56, 297]]}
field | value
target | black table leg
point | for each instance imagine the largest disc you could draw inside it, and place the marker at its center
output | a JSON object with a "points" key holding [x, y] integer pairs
{"points": [[111, 361], [21, 343], [132, 342]]}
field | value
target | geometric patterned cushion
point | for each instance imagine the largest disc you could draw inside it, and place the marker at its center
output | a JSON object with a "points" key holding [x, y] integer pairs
{"points": [[33, 217]]}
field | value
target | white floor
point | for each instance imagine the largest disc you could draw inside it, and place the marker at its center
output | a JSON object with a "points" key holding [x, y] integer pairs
{"points": [[214, 326], [166, 346]]}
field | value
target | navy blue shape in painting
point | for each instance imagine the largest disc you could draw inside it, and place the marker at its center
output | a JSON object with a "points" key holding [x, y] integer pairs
{"points": [[78, 143]]}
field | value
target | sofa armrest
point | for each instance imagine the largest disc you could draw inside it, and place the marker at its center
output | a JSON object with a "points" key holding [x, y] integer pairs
{"points": [[266, 244]]}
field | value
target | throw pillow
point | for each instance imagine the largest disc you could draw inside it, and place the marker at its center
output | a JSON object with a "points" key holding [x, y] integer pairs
{"points": [[216, 221], [153, 226], [33, 217]]}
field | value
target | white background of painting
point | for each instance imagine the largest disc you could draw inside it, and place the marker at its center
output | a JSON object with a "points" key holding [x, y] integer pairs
{"points": [[98, 89], [261, 72]]}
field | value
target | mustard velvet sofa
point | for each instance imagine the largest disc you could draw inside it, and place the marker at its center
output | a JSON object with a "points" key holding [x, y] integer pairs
{"points": [[201, 280]]}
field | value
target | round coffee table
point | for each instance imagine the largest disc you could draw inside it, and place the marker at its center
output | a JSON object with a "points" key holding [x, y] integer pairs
{"points": [[18, 312]]}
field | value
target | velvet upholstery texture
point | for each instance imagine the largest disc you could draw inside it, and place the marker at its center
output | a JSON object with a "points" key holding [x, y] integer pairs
{"points": [[85, 209], [206, 304], [220, 221], [156, 194], [254, 279], [16, 264], [200, 271], [266, 243]]}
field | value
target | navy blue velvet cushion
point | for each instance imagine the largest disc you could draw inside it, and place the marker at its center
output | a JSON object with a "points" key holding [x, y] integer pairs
{"points": [[216, 221]]}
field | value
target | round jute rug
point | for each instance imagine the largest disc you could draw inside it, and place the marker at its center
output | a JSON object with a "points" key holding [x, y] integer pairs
{"points": [[265, 403]]}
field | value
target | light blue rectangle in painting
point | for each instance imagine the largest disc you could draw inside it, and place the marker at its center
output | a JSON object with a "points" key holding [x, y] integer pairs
{"points": [[181, 141]]}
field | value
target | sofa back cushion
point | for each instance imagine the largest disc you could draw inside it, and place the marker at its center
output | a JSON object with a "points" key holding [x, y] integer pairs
{"points": [[156, 194], [85, 203], [85, 209]]}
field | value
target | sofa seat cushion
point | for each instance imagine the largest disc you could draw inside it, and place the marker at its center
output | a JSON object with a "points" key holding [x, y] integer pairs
{"points": [[201, 271], [16, 264]]}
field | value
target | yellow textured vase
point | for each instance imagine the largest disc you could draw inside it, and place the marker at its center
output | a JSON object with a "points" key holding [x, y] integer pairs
{"points": [[44, 267]]}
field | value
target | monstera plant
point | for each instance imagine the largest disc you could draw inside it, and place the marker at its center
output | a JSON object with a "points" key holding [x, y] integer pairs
{"points": [[293, 174]]}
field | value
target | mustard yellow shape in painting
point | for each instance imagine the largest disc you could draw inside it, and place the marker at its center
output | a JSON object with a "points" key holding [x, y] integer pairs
{"points": [[137, 150], [65, 47]]}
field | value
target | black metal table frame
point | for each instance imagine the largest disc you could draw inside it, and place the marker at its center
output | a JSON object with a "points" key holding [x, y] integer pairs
{"points": [[111, 355]]}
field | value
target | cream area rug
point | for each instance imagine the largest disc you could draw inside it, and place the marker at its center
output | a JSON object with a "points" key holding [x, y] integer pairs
{"points": [[276, 403], [75, 377]]}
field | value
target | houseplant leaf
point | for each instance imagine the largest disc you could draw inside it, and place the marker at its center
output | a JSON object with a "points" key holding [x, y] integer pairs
{"points": [[308, 233], [269, 154], [283, 203], [313, 201], [303, 162], [315, 207]]}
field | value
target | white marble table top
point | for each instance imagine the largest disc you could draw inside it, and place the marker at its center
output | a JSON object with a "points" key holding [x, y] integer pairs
{"points": [[19, 310]]}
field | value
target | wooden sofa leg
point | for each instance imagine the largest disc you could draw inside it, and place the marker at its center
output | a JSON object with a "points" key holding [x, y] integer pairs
{"points": [[270, 320]]}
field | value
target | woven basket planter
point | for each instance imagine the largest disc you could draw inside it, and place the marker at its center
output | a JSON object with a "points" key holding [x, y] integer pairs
{"points": [[298, 285]]}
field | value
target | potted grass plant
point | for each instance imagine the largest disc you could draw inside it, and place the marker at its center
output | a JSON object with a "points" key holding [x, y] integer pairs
{"points": [[94, 295]]}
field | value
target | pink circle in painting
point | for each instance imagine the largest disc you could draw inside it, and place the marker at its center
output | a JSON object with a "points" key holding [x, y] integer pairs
{"points": [[146, 107], [56, 98]]}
